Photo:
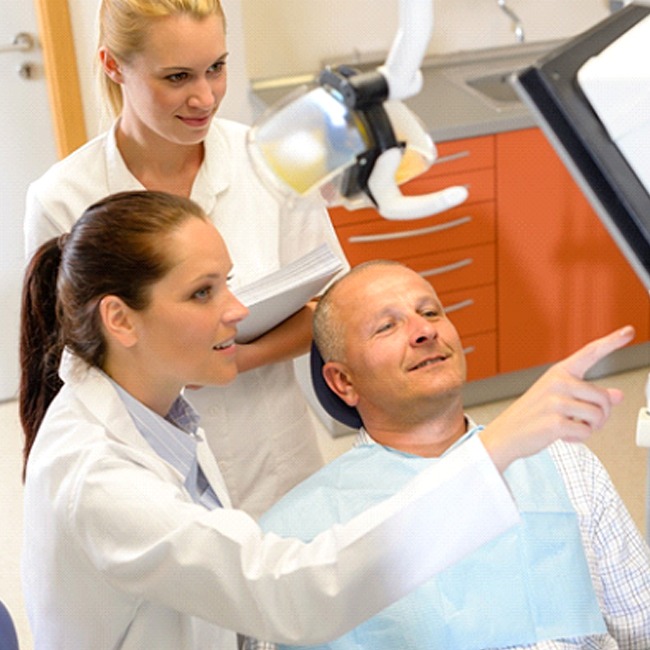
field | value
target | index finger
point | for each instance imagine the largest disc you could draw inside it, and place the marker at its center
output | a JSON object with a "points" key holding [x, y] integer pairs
{"points": [[581, 361]]}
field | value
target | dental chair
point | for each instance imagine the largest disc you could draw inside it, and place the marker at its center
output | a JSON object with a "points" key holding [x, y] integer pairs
{"points": [[8, 637]]}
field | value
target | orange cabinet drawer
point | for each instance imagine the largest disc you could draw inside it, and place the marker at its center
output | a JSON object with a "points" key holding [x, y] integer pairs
{"points": [[466, 225], [472, 310], [481, 354], [457, 156], [457, 269], [480, 184]]}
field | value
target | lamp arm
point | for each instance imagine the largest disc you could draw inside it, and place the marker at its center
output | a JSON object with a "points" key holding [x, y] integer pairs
{"points": [[402, 66], [394, 206]]}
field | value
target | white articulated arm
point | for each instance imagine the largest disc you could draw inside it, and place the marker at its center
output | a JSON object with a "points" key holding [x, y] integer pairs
{"points": [[393, 205], [404, 78], [402, 66]]}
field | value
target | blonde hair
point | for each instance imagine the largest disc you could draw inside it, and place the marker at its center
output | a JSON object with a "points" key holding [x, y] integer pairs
{"points": [[123, 27]]}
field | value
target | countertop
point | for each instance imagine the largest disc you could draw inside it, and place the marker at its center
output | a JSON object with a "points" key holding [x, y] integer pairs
{"points": [[448, 106]]}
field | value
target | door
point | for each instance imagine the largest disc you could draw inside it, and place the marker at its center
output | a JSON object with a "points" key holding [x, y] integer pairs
{"points": [[27, 149]]}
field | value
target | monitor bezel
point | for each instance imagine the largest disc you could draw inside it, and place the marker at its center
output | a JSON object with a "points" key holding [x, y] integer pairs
{"points": [[551, 91]]}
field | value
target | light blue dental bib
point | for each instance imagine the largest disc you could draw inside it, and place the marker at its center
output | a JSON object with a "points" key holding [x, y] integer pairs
{"points": [[530, 584]]}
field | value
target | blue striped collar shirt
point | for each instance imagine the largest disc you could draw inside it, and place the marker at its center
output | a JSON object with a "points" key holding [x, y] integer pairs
{"points": [[174, 439]]}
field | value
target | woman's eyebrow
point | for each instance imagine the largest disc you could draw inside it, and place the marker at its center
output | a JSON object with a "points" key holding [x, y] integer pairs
{"points": [[207, 276]]}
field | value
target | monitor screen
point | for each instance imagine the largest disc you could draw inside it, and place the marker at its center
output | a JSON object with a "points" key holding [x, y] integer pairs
{"points": [[551, 90]]}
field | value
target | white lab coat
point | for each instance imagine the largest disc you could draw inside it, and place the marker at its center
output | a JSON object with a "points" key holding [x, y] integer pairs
{"points": [[117, 555], [262, 451]]}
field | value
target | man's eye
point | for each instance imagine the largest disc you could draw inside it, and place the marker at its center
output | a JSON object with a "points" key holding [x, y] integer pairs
{"points": [[384, 327]]}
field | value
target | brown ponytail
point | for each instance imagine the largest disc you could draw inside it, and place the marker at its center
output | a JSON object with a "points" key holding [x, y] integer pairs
{"points": [[40, 342], [116, 248]]}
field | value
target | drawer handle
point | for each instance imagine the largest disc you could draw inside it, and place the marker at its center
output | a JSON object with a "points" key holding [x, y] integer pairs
{"points": [[469, 349], [448, 268], [403, 234], [459, 155], [463, 304]]}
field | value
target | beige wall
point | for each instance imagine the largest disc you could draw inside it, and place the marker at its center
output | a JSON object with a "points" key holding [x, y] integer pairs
{"points": [[278, 37], [289, 36]]}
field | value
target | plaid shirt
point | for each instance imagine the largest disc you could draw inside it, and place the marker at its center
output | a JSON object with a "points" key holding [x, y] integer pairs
{"points": [[618, 557]]}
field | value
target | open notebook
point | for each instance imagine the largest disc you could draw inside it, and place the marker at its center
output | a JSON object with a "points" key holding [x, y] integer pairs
{"points": [[274, 297]]}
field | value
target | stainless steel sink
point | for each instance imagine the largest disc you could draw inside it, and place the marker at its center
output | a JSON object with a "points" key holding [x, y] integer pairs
{"points": [[485, 74], [495, 87], [465, 93]]}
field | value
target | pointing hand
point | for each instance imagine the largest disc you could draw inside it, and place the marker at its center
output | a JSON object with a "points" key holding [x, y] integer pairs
{"points": [[561, 404]]}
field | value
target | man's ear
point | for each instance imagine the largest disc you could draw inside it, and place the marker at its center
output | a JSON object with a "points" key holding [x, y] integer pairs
{"points": [[118, 322], [338, 379], [110, 65]]}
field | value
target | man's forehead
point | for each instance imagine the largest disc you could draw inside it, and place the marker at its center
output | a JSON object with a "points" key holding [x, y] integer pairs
{"points": [[378, 280], [378, 289]]}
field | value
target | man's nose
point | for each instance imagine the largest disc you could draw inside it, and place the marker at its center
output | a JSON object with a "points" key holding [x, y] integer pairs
{"points": [[424, 332]]}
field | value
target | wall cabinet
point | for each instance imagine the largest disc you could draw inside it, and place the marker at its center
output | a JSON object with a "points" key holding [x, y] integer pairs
{"points": [[561, 279], [524, 267]]}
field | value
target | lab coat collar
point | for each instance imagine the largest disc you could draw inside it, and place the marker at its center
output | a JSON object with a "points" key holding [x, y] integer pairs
{"points": [[92, 387], [119, 177], [214, 175]]}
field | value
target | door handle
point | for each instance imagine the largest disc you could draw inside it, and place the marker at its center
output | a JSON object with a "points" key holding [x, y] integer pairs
{"points": [[23, 42]]}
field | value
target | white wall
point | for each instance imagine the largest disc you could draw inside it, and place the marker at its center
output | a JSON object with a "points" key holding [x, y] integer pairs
{"points": [[277, 37], [84, 30]]}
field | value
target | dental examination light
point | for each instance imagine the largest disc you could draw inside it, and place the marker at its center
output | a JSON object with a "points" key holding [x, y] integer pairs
{"points": [[351, 138]]}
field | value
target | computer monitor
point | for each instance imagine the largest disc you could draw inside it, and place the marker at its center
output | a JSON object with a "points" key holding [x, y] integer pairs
{"points": [[551, 90]]}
